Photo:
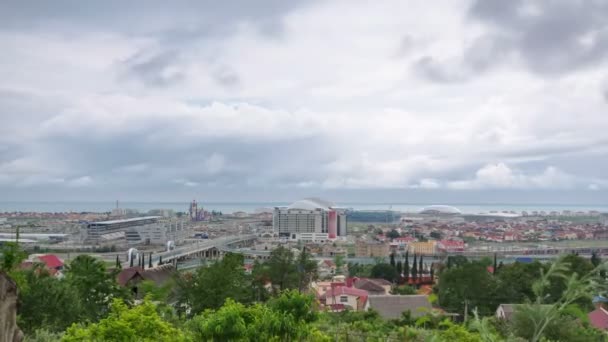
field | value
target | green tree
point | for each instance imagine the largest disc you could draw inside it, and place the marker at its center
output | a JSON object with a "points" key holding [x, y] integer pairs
{"points": [[307, 269], [415, 270], [140, 323], [404, 290], [515, 282], [392, 259], [48, 303], [421, 266], [538, 318], [284, 319], [94, 285], [285, 271], [281, 269], [469, 284], [406, 268], [393, 234], [572, 264], [384, 271], [43, 335], [435, 235], [399, 269], [339, 262], [209, 287]]}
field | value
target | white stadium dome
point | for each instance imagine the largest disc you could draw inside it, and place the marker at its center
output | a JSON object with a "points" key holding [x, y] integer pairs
{"points": [[440, 210]]}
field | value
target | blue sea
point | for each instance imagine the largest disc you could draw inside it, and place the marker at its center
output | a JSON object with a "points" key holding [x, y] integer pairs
{"points": [[250, 207]]}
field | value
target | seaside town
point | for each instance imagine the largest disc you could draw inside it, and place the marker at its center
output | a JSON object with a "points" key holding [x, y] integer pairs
{"points": [[348, 260]]}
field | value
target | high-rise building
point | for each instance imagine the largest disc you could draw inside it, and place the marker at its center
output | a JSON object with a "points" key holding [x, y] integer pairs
{"points": [[310, 219]]}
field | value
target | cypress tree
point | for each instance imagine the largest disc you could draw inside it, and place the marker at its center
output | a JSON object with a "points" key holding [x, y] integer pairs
{"points": [[150, 261], [495, 265], [160, 260], [399, 269], [118, 265], [392, 260], [420, 267], [415, 269], [406, 267], [432, 274]]}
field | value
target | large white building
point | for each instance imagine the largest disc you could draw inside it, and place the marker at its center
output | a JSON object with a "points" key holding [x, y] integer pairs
{"points": [[147, 230], [310, 219]]}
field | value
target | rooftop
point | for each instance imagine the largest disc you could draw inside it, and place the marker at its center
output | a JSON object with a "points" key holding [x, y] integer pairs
{"points": [[441, 210], [311, 204], [135, 219]]}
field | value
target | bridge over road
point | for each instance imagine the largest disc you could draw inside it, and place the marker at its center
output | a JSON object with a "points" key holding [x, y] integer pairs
{"points": [[202, 248]]}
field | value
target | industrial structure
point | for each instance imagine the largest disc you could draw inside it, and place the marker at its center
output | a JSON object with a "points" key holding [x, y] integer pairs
{"points": [[310, 219], [196, 214], [148, 230]]}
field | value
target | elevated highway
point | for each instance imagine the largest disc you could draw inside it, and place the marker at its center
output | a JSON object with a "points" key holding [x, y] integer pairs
{"points": [[210, 248]]}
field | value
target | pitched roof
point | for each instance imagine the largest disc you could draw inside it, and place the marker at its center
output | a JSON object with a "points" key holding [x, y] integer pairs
{"points": [[391, 306], [51, 261], [599, 318], [129, 273], [381, 281], [343, 290], [160, 274], [368, 285]]}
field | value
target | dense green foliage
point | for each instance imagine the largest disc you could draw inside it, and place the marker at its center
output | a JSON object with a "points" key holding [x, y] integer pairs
{"points": [[139, 323], [209, 287], [221, 302], [286, 271]]}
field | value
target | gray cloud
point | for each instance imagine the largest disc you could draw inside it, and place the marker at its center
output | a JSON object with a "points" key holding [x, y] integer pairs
{"points": [[177, 20], [226, 77], [429, 68], [552, 37], [276, 100], [155, 69]]}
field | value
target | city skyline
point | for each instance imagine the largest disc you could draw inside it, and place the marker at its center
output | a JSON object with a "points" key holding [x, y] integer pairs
{"points": [[400, 101]]}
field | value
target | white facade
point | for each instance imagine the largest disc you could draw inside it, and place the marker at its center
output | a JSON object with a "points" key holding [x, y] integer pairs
{"points": [[153, 230], [309, 220], [159, 233]]}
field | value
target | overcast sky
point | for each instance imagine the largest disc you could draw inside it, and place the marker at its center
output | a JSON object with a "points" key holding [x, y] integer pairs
{"points": [[396, 101]]}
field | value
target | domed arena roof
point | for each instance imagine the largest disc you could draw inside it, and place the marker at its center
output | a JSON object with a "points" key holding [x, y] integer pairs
{"points": [[311, 204], [440, 210]]}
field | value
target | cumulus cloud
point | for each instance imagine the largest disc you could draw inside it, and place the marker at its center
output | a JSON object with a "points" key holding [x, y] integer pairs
{"points": [[501, 176], [81, 181], [301, 97]]}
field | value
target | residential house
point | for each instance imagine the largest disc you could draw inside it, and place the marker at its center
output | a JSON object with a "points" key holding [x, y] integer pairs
{"points": [[372, 286], [598, 318], [50, 262], [424, 248], [326, 268], [339, 298], [131, 277], [392, 306], [450, 246], [366, 249]]}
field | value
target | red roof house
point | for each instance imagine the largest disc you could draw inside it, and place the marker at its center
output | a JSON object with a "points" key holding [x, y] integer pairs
{"points": [[52, 262], [599, 318], [350, 297]]}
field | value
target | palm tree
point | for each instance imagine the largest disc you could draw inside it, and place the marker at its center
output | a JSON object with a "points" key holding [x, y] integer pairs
{"points": [[541, 315]]}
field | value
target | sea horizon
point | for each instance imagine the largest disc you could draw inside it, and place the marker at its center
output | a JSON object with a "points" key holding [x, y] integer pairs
{"points": [[250, 207]]}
